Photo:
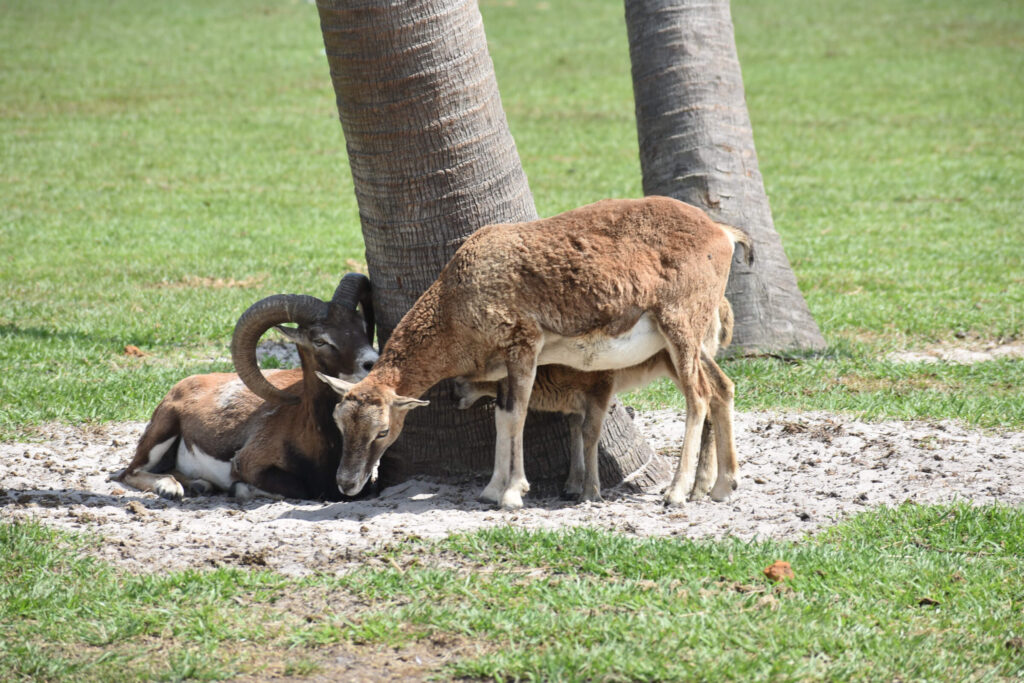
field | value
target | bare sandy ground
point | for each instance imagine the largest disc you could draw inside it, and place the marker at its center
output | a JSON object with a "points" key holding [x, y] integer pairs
{"points": [[800, 472]]}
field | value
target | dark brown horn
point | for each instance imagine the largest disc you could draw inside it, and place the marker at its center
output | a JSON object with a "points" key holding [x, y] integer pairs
{"points": [[354, 289], [257, 319]]}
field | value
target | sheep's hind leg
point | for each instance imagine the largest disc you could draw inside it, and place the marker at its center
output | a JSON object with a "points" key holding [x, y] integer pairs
{"points": [[706, 463], [163, 485], [721, 402], [152, 455], [688, 378], [696, 410]]}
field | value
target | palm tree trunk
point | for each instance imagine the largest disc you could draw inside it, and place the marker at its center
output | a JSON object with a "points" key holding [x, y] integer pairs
{"points": [[432, 160], [697, 145]]}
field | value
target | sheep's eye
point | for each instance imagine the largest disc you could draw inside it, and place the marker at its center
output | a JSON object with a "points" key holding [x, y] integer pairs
{"points": [[319, 342], [383, 433]]}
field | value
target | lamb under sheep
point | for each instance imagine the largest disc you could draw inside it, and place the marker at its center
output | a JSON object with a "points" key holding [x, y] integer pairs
{"points": [[585, 398], [603, 287], [255, 434]]}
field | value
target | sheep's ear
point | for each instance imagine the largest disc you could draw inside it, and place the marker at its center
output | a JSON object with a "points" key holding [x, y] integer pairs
{"points": [[293, 334], [339, 385], [406, 403]]}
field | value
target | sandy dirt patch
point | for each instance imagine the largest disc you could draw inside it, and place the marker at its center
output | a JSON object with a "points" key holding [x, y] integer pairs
{"points": [[981, 352], [799, 472]]}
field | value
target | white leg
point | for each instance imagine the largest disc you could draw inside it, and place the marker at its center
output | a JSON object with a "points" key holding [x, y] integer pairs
{"points": [[510, 417], [502, 455], [499, 478], [696, 410], [511, 496], [163, 485]]}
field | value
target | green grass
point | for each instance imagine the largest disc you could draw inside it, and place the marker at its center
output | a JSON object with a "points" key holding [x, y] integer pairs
{"points": [[918, 593], [164, 165]]}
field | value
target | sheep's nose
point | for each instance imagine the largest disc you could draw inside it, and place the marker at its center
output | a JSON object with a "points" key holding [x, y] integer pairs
{"points": [[368, 365]]}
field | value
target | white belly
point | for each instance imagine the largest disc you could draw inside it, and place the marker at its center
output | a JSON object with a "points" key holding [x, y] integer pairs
{"points": [[195, 464], [599, 352]]}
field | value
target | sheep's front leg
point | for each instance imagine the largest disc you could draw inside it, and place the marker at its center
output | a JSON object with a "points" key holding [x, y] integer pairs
{"points": [[492, 493], [509, 419]]}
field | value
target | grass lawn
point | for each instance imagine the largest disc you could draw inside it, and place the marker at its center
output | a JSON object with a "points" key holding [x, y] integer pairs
{"points": [[166, 164], [915, 593]]}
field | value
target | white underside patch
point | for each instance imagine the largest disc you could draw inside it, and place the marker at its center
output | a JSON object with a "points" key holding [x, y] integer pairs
{"points": [[157, 452], [597, 351], [193, 463]]}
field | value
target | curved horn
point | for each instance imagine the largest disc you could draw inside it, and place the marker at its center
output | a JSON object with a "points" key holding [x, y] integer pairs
{"points": [[354, 289], [257, 319]]}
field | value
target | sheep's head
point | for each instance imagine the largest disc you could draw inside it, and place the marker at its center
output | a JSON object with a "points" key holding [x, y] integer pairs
{"points": [[335, 345], [332, 337], [370, 418]]}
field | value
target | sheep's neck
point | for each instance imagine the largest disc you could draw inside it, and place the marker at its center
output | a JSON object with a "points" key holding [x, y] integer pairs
{"points": [[419, 353]]}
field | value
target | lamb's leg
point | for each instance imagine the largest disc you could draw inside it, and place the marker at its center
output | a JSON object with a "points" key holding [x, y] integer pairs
{"points": [[577, 467], [597, 400], [469, 392]]}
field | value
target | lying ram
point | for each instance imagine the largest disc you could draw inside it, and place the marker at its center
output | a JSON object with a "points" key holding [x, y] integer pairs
{"points": [[603, 287], [250, 433]]}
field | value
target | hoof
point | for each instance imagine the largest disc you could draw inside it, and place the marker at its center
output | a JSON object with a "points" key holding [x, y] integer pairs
{"points": [[674, 499], [169, 488], [241, 491], [572, 489], [199, 487], [723, 489], [489, 495], [594, 497], [512, 500]]}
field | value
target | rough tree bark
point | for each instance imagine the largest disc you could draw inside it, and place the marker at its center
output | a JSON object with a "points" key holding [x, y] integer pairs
{"points": [[697, 145], [432, 160]]}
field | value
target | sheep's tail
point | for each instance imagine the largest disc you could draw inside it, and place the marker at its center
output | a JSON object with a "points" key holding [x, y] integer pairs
{"points": [[737, 236]]}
